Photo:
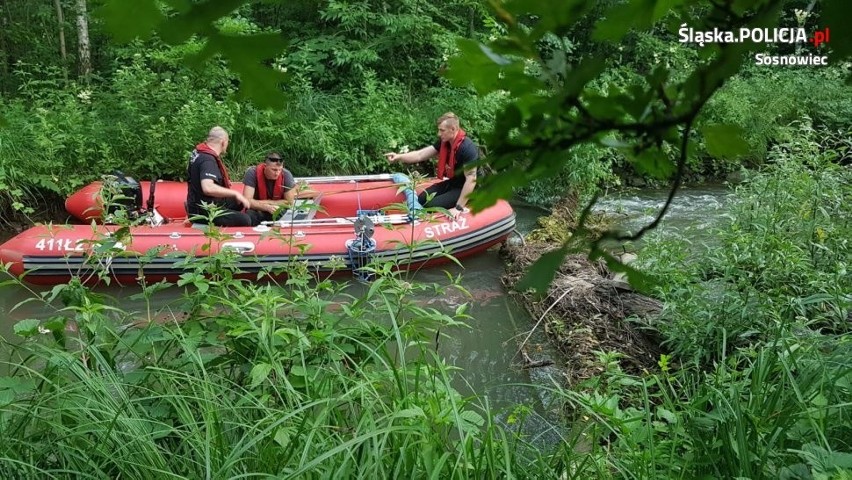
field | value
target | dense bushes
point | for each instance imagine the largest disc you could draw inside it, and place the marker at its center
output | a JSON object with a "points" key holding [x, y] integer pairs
{"points": [[765, 104], [364, 77], [783, 259], [294, 379], [290, 379], [758, 380], [146, 117]]}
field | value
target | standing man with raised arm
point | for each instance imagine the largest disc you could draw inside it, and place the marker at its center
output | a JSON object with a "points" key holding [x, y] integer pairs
{"points": [[455, 154], [209, 182]]}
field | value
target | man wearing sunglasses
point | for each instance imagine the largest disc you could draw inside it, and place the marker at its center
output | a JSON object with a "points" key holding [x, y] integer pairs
{"points": [[268, 186]]}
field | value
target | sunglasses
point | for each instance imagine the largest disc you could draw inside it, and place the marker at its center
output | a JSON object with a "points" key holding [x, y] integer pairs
{"points": [[275, 159]]}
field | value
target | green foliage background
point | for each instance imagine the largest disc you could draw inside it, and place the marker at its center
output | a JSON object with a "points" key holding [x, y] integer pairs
{"points": [[568, 95], [336, 83]]}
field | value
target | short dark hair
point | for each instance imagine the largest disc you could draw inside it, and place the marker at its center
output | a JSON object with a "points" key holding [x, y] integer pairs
{"points": [[273, 157]]}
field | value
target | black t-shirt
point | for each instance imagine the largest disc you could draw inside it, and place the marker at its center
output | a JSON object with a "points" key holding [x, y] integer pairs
{"points": [[467, 153], [251, 180], [202, 166]]}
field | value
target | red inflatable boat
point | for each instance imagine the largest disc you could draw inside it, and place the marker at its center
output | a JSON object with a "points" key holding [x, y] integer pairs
{"points": [[352, 220], [340, 194]]}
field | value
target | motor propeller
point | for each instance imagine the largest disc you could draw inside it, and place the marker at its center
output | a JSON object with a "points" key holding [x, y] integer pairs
{"points": [[364, 227]]}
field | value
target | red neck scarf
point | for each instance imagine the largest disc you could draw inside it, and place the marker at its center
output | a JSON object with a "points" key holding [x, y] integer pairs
{"points": [[204, 148], [447, 155], [277, 190]]}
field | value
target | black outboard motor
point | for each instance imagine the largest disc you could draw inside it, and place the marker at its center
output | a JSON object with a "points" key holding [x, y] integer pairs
{"points": [[362, 249], [122, 193]]}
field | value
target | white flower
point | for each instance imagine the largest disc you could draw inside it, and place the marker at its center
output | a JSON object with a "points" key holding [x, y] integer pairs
{"points": [[404, 149], [42, 330], [85, 96]]}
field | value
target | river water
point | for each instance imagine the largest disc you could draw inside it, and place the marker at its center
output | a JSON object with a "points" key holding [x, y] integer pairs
{"points": [[695, 210], [486, 351]]}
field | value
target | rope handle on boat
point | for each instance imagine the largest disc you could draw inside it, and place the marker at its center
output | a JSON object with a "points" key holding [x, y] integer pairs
{"points": [[325, 193], [357, 189], [382, 218]]}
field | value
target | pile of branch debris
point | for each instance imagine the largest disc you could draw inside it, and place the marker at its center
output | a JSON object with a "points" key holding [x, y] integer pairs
{"points": [[587, 309]]}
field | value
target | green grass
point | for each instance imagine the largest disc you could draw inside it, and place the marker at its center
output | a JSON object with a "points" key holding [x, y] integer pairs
{"points": [[759, 376], [272, 381]]}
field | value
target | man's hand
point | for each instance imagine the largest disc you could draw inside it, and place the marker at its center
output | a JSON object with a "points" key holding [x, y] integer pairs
{"points": [[391, 157], [243, 200], [454, 212]]}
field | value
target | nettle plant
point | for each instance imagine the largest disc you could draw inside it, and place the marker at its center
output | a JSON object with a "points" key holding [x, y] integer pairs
{"points": [[286, 376]]}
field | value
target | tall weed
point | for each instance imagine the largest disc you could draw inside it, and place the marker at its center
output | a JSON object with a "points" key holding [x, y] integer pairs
{"points": [[294, 379], [759, 376], [783, 258]]}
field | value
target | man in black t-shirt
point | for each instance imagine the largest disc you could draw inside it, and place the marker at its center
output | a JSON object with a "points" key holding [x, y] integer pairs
{"points": [[455, 152], [268, 186], [209, 182]]}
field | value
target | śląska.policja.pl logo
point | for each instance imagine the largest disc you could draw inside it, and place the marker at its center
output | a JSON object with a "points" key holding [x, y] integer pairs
{"points": [[763, 35]]}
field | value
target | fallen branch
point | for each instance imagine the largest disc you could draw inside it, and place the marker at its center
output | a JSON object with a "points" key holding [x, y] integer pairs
{"points": [[524, 343]]}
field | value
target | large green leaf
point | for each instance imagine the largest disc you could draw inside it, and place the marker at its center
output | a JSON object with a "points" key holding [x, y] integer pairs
{"points": [[640, 281], [604, 107], [27, 328], [724, 141], [126, 21], [542, 271], [552, 15], [653, 162], [477, 65], [495, 187], [622, 17], [259, 373], [198, 20], [840, 35], [10, 387], [471, 421], [246, 55], [581, 75]]}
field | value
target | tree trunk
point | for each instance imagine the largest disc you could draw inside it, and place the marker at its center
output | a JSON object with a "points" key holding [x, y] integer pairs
{"points": [[62, 52], [83, 37], [802, 20], [4, 53]]}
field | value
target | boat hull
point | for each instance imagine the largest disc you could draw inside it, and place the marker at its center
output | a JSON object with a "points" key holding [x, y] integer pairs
{"points": [[49, 255]]}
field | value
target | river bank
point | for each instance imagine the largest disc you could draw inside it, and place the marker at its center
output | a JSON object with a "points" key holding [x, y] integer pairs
{"points": [[587, 307]]}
